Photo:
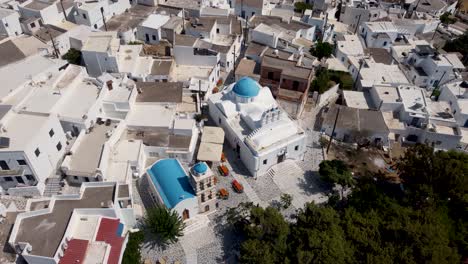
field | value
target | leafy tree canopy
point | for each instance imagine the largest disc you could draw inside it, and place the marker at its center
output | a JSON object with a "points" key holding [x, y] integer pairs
{"points": [[300, 7], [425, 221], [447, 18], [73, 56], [459, 44], [165, 224], [322, 50]]}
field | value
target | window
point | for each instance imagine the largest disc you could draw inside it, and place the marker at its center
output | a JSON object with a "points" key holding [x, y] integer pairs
{"points": [[270, 75], [295, 85], [362, 30], [75, 177], [32, 25], [219, 121], [86, 179], [21, 162], [296, 148], [59, 146], [95, 26], [265, 162], [37, 152], [84, 16], [4, 165], [8, 179], [154, 37], [51, 133], [19, 179], [6, 24], [30, 177], [438, 142], [253, 13], [217, 30], [385, 43]]}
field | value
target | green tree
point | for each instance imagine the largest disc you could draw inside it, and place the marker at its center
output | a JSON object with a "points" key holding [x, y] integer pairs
{"points": [[132, 252], [459, 44], [321, 82], [73, 56], [318, 238], [447, 18], [300, 7], [322, 50], [165, 224], [336, 172], [286, 200]]}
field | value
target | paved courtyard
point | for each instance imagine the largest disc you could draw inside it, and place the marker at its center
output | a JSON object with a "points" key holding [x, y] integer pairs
{"points": [[216, 243]]}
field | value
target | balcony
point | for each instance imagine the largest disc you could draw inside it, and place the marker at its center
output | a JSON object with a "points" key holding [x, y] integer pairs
{"points": [[12, 173]]}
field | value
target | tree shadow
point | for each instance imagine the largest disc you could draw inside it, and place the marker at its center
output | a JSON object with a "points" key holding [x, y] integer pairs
{"points": [[311, 183], [231, 239]]}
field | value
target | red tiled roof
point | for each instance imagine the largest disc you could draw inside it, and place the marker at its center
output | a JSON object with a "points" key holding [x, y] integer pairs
{"points": [[108, 233], [75, 252]]}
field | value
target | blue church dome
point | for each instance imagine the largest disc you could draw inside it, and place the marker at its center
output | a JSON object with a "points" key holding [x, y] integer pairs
{"points": [[172, 184], [246, 87], [200, 168]]}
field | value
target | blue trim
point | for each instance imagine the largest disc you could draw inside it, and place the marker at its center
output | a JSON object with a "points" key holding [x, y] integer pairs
{"points": [[171, 182], [120, 229]]}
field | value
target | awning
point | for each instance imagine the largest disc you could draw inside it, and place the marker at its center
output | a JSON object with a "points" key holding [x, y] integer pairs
{"points": [[209, 151]]}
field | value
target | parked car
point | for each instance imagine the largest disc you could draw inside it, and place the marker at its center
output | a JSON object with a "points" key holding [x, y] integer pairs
{"points": [[223, 170], [223, 194], [237, 186]]}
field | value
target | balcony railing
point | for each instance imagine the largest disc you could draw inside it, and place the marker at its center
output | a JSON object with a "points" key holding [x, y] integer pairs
{"points": [[12, 173]]}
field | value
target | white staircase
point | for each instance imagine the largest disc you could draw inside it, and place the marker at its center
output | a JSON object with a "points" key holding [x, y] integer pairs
{"points": [[198, 222]]}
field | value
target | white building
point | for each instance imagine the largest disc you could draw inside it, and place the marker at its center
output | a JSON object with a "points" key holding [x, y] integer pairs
{"points": [[456, 94], [256, 126], [9, 22], [32, 146], [95, 13], [49, 12], [427, 68], [196, 66], [99, 53], [92, 226], [383, 34], [149, 30]]}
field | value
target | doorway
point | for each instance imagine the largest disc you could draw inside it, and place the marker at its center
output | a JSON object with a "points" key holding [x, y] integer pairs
{"points": [[185, 214], [281, 157], [207, 208]]}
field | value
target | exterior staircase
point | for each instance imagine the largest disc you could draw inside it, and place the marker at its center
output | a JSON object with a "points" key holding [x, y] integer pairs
{"points": [[53, 186]]}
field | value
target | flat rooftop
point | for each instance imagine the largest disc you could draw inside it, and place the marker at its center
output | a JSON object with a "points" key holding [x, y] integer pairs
{"points": [[87, 156], [21, 129], [159, 92], [183, 73], [37, 5], [143, 115], [130, 19], [355, 99], [155, 21], [162, 139], [162, 67], [44, 232], [388, 94]]}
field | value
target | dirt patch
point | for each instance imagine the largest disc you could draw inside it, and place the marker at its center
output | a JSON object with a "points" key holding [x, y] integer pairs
{"points": [[364, 161]]}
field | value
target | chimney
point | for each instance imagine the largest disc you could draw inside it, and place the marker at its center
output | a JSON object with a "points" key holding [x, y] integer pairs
{"points": [[109, 85]]}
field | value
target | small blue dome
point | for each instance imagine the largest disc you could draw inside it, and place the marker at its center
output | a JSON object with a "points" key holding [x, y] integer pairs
{"points": [[200, 168], [246, 87]]}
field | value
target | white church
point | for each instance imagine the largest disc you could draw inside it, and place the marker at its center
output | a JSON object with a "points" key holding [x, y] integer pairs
{"points": [[255, 125]]}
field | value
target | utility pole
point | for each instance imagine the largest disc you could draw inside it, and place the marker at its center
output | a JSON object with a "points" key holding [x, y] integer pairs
{"points": [[63, 10], [357, 25], [183, 20], [103, 18], [361, 62], [53, 44], [333, 131], [435, 31]]}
